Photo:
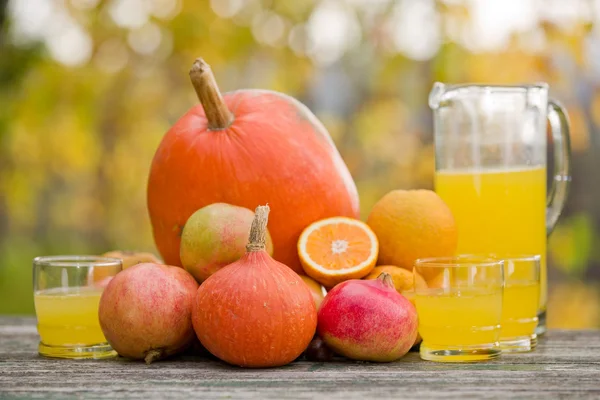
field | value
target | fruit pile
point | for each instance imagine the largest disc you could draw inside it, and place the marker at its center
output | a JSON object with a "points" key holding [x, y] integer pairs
{"points": [[317, 281]]}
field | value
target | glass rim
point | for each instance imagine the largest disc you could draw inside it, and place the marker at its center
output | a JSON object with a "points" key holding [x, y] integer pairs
{"points": [[441, 93], [76, 261], [515, 86], [517, 257], [461, 261]]}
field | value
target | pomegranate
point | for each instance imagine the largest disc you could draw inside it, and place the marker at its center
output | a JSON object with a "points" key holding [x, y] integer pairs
{"points": [[146, 311], [368, 320]]}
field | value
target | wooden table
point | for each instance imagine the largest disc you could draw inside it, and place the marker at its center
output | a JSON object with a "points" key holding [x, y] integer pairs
{"points": [[566, 364]]}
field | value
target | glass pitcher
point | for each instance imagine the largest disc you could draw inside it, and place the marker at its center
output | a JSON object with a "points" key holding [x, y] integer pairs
{"points": [[490, 167]]}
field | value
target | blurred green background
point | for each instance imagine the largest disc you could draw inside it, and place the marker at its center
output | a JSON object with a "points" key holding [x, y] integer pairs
{"points": [[88, 88]]}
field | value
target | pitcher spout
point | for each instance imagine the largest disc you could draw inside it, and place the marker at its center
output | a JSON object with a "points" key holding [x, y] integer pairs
{"points": [[436, 95]]}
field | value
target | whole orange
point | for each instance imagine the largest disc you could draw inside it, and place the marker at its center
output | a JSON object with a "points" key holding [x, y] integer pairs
{"points": [[315, 289], [412, 224], [404, 280], [131, 258]]}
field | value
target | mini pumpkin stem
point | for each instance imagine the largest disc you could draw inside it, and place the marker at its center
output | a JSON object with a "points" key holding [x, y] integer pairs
{"points": [[386, 279], [217, 113], [258, 230], [153, 355]]}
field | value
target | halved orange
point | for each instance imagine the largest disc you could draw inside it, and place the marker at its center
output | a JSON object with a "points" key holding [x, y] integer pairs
{"points": [[336, 249]]}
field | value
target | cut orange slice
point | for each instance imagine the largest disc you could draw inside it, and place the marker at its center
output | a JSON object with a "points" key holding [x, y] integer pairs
{"points": [[336, 249]]}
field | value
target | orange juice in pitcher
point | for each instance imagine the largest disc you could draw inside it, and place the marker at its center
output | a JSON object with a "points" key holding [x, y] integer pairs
{"points": [[497, 211]]}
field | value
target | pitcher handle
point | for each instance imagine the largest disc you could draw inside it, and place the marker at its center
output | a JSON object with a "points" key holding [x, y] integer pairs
{"points": [[557, 193]]}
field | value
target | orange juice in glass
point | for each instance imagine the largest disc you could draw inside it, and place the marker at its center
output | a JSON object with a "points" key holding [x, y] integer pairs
{"points": [[490, 149], [460, 311], [520, 303], [67, 292]]}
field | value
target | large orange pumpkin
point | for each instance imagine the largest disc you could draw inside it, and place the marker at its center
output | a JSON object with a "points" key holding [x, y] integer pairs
{"points": [[246, 148]]}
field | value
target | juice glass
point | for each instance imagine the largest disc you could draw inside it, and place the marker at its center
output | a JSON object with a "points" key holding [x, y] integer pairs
{"points": [[491, 167], [521, 302], [460, 311], [67, 292]]}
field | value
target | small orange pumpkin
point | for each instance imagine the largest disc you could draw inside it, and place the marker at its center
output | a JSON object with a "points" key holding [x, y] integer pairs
{"points": [[246, 148], [255, 312]]}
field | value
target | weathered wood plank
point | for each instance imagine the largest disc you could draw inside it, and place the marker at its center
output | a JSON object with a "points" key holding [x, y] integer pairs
{"points": [[565, 365]]}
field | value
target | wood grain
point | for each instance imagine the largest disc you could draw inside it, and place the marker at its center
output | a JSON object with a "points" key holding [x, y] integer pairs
{"points": [[565, 365]]}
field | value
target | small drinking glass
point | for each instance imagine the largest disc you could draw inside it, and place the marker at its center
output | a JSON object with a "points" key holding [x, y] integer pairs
{"points": [[67, 292], [521, 302], [460, 311]]}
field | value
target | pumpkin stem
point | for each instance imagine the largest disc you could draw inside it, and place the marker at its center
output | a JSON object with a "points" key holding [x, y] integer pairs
{"points": [[218, 115], [258, 230], [386, 279]]}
